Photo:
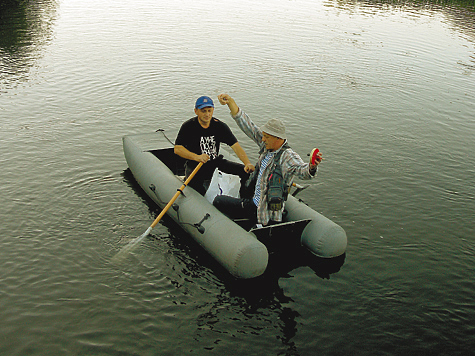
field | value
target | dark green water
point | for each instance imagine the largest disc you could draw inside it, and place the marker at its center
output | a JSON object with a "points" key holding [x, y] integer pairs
{"points": [[385, 89]]}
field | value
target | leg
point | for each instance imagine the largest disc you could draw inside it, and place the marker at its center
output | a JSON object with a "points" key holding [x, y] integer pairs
{"points": [[236, 169], [236, 208], [202, 178], [198, 185]]}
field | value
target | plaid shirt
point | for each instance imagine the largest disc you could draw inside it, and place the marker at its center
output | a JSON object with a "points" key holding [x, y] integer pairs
{"points": [[291, 163]]}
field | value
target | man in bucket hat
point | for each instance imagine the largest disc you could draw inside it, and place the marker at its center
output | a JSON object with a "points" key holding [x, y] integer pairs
{"points": [[276, 159], [199, 140]]}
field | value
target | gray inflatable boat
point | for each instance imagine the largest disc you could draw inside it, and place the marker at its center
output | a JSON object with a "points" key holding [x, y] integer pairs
{"points": [[239, 248]]}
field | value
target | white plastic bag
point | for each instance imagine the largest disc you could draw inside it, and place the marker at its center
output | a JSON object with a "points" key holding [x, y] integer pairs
{"points": [[223, 184]]}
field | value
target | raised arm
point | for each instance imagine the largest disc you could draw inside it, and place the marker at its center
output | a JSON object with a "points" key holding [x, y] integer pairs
{"points": [[225, 99], [243, 121]]}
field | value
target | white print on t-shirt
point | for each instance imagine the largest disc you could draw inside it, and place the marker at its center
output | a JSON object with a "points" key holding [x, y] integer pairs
{"points": [[208, 146]]}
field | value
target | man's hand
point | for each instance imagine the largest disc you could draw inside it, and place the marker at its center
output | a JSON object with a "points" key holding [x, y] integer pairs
{"points": [[202, 158], [248, 168], [316, 158], [225, 99], [186, 154]]}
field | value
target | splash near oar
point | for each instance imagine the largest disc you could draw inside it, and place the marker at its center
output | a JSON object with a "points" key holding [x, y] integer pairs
{"points": [[134, 243]]}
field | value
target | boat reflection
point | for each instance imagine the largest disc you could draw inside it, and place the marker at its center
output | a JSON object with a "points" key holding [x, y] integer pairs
{"points": [[237, 306]]}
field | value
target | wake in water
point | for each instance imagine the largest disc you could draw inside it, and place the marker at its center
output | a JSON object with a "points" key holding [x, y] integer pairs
{"points": [[127, 249]]}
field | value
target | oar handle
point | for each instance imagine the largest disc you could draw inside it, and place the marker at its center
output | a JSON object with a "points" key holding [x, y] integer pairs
{"points": [[177, 194]]}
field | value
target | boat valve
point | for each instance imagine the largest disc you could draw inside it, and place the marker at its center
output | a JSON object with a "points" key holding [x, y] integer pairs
{"points": [[200, 228]]}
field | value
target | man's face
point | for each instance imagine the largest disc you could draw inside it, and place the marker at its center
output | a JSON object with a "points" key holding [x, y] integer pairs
{"points": [[204, 115], [272, 143]]}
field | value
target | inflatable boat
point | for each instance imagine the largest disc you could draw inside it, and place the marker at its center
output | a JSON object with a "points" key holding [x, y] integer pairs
{"points": [[241, 249]]}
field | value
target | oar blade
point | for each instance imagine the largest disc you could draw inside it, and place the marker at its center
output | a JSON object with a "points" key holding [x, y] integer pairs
{"points": [[130, 247], [127, 249]]}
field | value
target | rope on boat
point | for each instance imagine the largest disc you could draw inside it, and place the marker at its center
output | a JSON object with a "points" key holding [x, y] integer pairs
{"points": [[163, 132]]}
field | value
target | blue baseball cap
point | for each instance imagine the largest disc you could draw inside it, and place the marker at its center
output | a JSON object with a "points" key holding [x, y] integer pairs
{"points": [[204, 102]]}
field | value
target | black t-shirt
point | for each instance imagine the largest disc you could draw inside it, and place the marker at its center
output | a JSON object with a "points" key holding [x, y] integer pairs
{"points": [[199, 140]]}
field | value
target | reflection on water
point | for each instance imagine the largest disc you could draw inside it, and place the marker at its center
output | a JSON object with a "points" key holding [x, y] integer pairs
{"points": [[237, 307], [244, 308], [407, 5], [457, 14], [25, 28]]}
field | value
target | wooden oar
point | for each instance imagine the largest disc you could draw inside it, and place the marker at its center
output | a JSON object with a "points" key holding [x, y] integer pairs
{"points": [[132, 244]]}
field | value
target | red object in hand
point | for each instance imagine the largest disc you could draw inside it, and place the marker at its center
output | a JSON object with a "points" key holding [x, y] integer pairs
{"points": [[314, 156]]}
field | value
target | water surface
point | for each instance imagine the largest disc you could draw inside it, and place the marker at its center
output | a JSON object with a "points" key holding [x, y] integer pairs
{"points": [[386, 91]]}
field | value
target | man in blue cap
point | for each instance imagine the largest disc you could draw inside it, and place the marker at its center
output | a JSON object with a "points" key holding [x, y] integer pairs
{"points": [[199, 140]]}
